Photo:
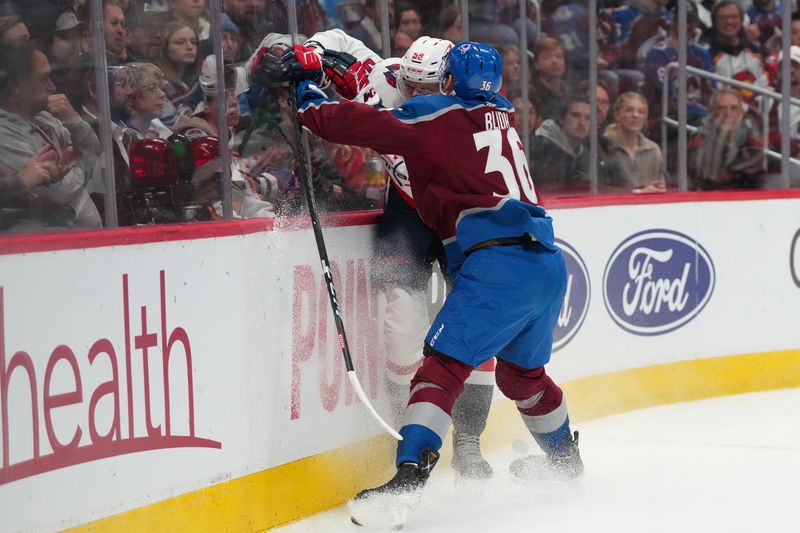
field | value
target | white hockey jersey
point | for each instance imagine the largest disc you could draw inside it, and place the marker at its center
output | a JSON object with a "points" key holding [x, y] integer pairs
{"points": [[382, 78]]}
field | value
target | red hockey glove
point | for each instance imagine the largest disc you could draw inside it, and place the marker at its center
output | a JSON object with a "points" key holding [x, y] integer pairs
{"points": [[308, 56], [348, 74]]}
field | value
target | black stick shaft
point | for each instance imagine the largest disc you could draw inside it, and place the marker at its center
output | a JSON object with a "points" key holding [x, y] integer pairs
{"points": [[305, 178]]}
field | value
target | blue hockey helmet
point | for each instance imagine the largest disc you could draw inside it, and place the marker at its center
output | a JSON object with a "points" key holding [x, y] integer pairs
{"points": [[477, 70]]}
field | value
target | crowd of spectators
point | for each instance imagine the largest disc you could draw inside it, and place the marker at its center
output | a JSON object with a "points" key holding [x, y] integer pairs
{"points": [[162, 81]]}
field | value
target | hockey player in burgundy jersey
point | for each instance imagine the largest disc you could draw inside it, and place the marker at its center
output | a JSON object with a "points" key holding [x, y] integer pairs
{"points": [[406, 248], [471, 184]]}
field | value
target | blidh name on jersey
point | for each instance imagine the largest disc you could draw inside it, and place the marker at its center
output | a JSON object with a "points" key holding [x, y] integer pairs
{"points": [[497, 120]]}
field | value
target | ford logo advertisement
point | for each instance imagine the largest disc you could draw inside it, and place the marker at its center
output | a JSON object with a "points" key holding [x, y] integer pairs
{"points": [[576, 298], [656, 281]]}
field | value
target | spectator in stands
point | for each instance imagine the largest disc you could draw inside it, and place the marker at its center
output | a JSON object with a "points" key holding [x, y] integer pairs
{"points": [[16, 197], [114, 30], [146, 34], [12, 29], [629, 160], [271, 149], [84, 98], [534, 120], [64, 51], [203, 120], [508, 13], [775, 112], [636, 23], [764, 28], [512, 68], [408, 20], [230, 41], [726, 152], [147, 103], [250, 17], [665, 51], [559, 158], [203, 123], [401, 42], [368, 29], [732, 55], [179, 59], [32, 116], [449, 24], [603, 106], [796, 29], [548, 85], [191, 12], [603, 99], [485, 25]]}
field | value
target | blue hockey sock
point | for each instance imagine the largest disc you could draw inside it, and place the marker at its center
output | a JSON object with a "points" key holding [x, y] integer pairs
{"points": [[416, 437], [555, 442]]}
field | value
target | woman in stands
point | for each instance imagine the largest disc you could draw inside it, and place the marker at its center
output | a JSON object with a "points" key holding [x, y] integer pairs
{"points": [[629, 160], [179, 59], [147, 103]]}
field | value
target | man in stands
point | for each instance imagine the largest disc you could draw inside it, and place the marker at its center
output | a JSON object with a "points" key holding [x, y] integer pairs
{"points": [[559, 157], [146, 35], [732, 55], [726, 152], [33, 116]]}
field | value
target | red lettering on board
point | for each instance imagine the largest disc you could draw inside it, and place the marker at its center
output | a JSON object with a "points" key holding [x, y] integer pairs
{"points": [[100, 446], [311, 335]]}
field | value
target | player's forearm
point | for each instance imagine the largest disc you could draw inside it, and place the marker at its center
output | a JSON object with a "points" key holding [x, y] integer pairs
{"points": [[345, 122]]}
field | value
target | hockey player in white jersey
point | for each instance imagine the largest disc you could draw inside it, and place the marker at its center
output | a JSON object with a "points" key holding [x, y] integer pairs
{"points": [[406, 247]]}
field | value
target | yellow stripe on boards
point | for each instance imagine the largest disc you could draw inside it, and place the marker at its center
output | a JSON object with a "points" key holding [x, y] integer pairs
{"points": [[260, 501], [638, 388], [270, 498]]}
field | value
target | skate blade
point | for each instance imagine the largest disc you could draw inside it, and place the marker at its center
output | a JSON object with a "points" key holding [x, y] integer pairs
{"points": [[381, 512]]}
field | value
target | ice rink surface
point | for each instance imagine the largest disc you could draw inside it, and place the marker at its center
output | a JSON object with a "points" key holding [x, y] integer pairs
{"points": [[723, 465]]}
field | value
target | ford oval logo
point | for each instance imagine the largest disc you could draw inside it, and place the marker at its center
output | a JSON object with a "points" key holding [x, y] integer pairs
{"points": [[576, 299], [656, 281]]}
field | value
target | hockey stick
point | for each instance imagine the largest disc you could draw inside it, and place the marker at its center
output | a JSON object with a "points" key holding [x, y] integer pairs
{"points": [[305, 177]]}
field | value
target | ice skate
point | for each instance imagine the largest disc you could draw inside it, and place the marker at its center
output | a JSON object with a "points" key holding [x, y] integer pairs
{"points": [[566, 466], [467, 459], [388, 505]]}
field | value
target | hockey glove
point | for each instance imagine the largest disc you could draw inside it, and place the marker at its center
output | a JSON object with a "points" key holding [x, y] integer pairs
{"points": [[348, 74], [303, 63], [265, 67], [308, 91]]}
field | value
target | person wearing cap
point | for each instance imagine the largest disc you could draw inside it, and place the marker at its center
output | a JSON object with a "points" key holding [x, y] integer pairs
{"points": [[230, 41], [146, 32], [203, 123], [64, 51]]}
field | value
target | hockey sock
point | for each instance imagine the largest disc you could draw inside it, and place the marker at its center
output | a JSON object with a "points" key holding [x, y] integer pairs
{"points": [[434, 390], [472, 409]]}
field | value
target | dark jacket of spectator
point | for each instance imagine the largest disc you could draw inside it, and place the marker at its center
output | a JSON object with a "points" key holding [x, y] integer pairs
{"points": [[555, 163]]}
